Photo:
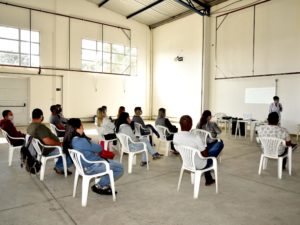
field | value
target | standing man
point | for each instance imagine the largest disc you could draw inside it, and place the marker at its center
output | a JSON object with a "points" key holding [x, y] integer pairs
{"points": [[276, 106]]}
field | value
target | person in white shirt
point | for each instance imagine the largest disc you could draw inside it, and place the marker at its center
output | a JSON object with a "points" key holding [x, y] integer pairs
{"points": [[106, 125], [273, 130], [185, 137], [123, 126], [276, 106]]}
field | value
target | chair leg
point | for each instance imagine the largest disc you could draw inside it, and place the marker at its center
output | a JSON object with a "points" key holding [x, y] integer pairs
{"points": [[121, 155], [43, 168], [180, 178], [147, 160], [65, 164], [216, 179], [265, 163], [260, 163], [279, 167], [106, 145], [75, 182], [85, 191], [134, 159], [197, 184], [290, 163], [130, 161], [167, 148], [10, 155], [192, 178], [112, 184]]}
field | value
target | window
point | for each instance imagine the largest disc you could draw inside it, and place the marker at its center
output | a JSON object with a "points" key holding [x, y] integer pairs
{"points": [[113, 58], [19, 47]]}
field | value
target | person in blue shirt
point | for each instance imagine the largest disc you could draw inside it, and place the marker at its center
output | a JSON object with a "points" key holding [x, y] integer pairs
{"points": [[75, 138]]}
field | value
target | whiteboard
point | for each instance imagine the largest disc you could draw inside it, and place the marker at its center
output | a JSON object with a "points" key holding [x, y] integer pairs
{"points": [[259, 95]]}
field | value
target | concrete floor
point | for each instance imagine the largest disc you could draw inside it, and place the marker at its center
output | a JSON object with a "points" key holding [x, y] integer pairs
{"points": [[150, 197]]}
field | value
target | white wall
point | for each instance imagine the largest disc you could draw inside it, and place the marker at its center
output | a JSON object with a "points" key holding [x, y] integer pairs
{"points": [[82, 93], [277, 50], [177, 85]]}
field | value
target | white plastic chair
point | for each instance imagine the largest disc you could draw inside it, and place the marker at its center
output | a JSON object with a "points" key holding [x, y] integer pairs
{"points": [[125, 140], [188, 163], [218, 117], [163, 131], [54, 130], [204, 135], [270, 148], [11, 148], [38, 146], [137, 130], [77, 157], [107, 143]]}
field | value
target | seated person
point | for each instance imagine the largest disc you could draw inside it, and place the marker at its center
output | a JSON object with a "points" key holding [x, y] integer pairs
{"points": [[138, 119], [165, 122], [121, 109], [185, 137], [105, 123], [60, 115], [75, 138], [56, 120], [125, 121], [273, 130], [7, 125], [205, 123], [39, 131]]}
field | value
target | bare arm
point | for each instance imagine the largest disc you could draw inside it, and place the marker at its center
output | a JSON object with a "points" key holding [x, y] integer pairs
{"points": [[51, 142]]}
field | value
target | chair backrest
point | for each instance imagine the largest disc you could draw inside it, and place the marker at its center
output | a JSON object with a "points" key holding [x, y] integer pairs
{"points": [[53, 129], [38, 146], [188, 156], [5, 134], [219, 115], [124, 139], [203, 134], [100, 132], [137, 129], [162, 131], [76, 157], [271, 145]]}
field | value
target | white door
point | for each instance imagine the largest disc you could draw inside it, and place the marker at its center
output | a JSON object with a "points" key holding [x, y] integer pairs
{"points": [[14, 96]]}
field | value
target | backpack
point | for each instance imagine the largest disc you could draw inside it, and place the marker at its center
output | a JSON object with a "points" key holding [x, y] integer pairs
{"points": [[29, 157]]}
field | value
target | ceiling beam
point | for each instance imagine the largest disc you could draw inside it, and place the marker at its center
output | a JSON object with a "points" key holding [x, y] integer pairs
{"points": [[190, 5], [202, 4], [145, 8], [102, 3]]}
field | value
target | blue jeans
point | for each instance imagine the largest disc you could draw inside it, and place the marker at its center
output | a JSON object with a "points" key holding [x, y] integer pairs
{"points": [[139, 146], [115, 166], [59, 163], [214, 150]]}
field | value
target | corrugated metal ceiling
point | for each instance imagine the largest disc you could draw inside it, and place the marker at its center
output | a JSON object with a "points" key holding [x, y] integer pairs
{"points": [[163, 11]]}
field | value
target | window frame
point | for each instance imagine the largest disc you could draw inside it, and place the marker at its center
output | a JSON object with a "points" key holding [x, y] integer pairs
{"points": [[110, 63], [20, 53]]}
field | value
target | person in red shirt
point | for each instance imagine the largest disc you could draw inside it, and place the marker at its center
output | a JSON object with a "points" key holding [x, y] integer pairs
{"points": [[7, 125]]}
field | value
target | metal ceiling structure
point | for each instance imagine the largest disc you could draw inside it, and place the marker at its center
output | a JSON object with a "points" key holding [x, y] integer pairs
{"points": [[156, 12]]}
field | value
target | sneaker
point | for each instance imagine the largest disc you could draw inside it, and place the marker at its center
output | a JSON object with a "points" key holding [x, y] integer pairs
{"points": [[174, 152], [209, 182], [102, 191], [61, 172], [143, 164], [156, 156]]}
